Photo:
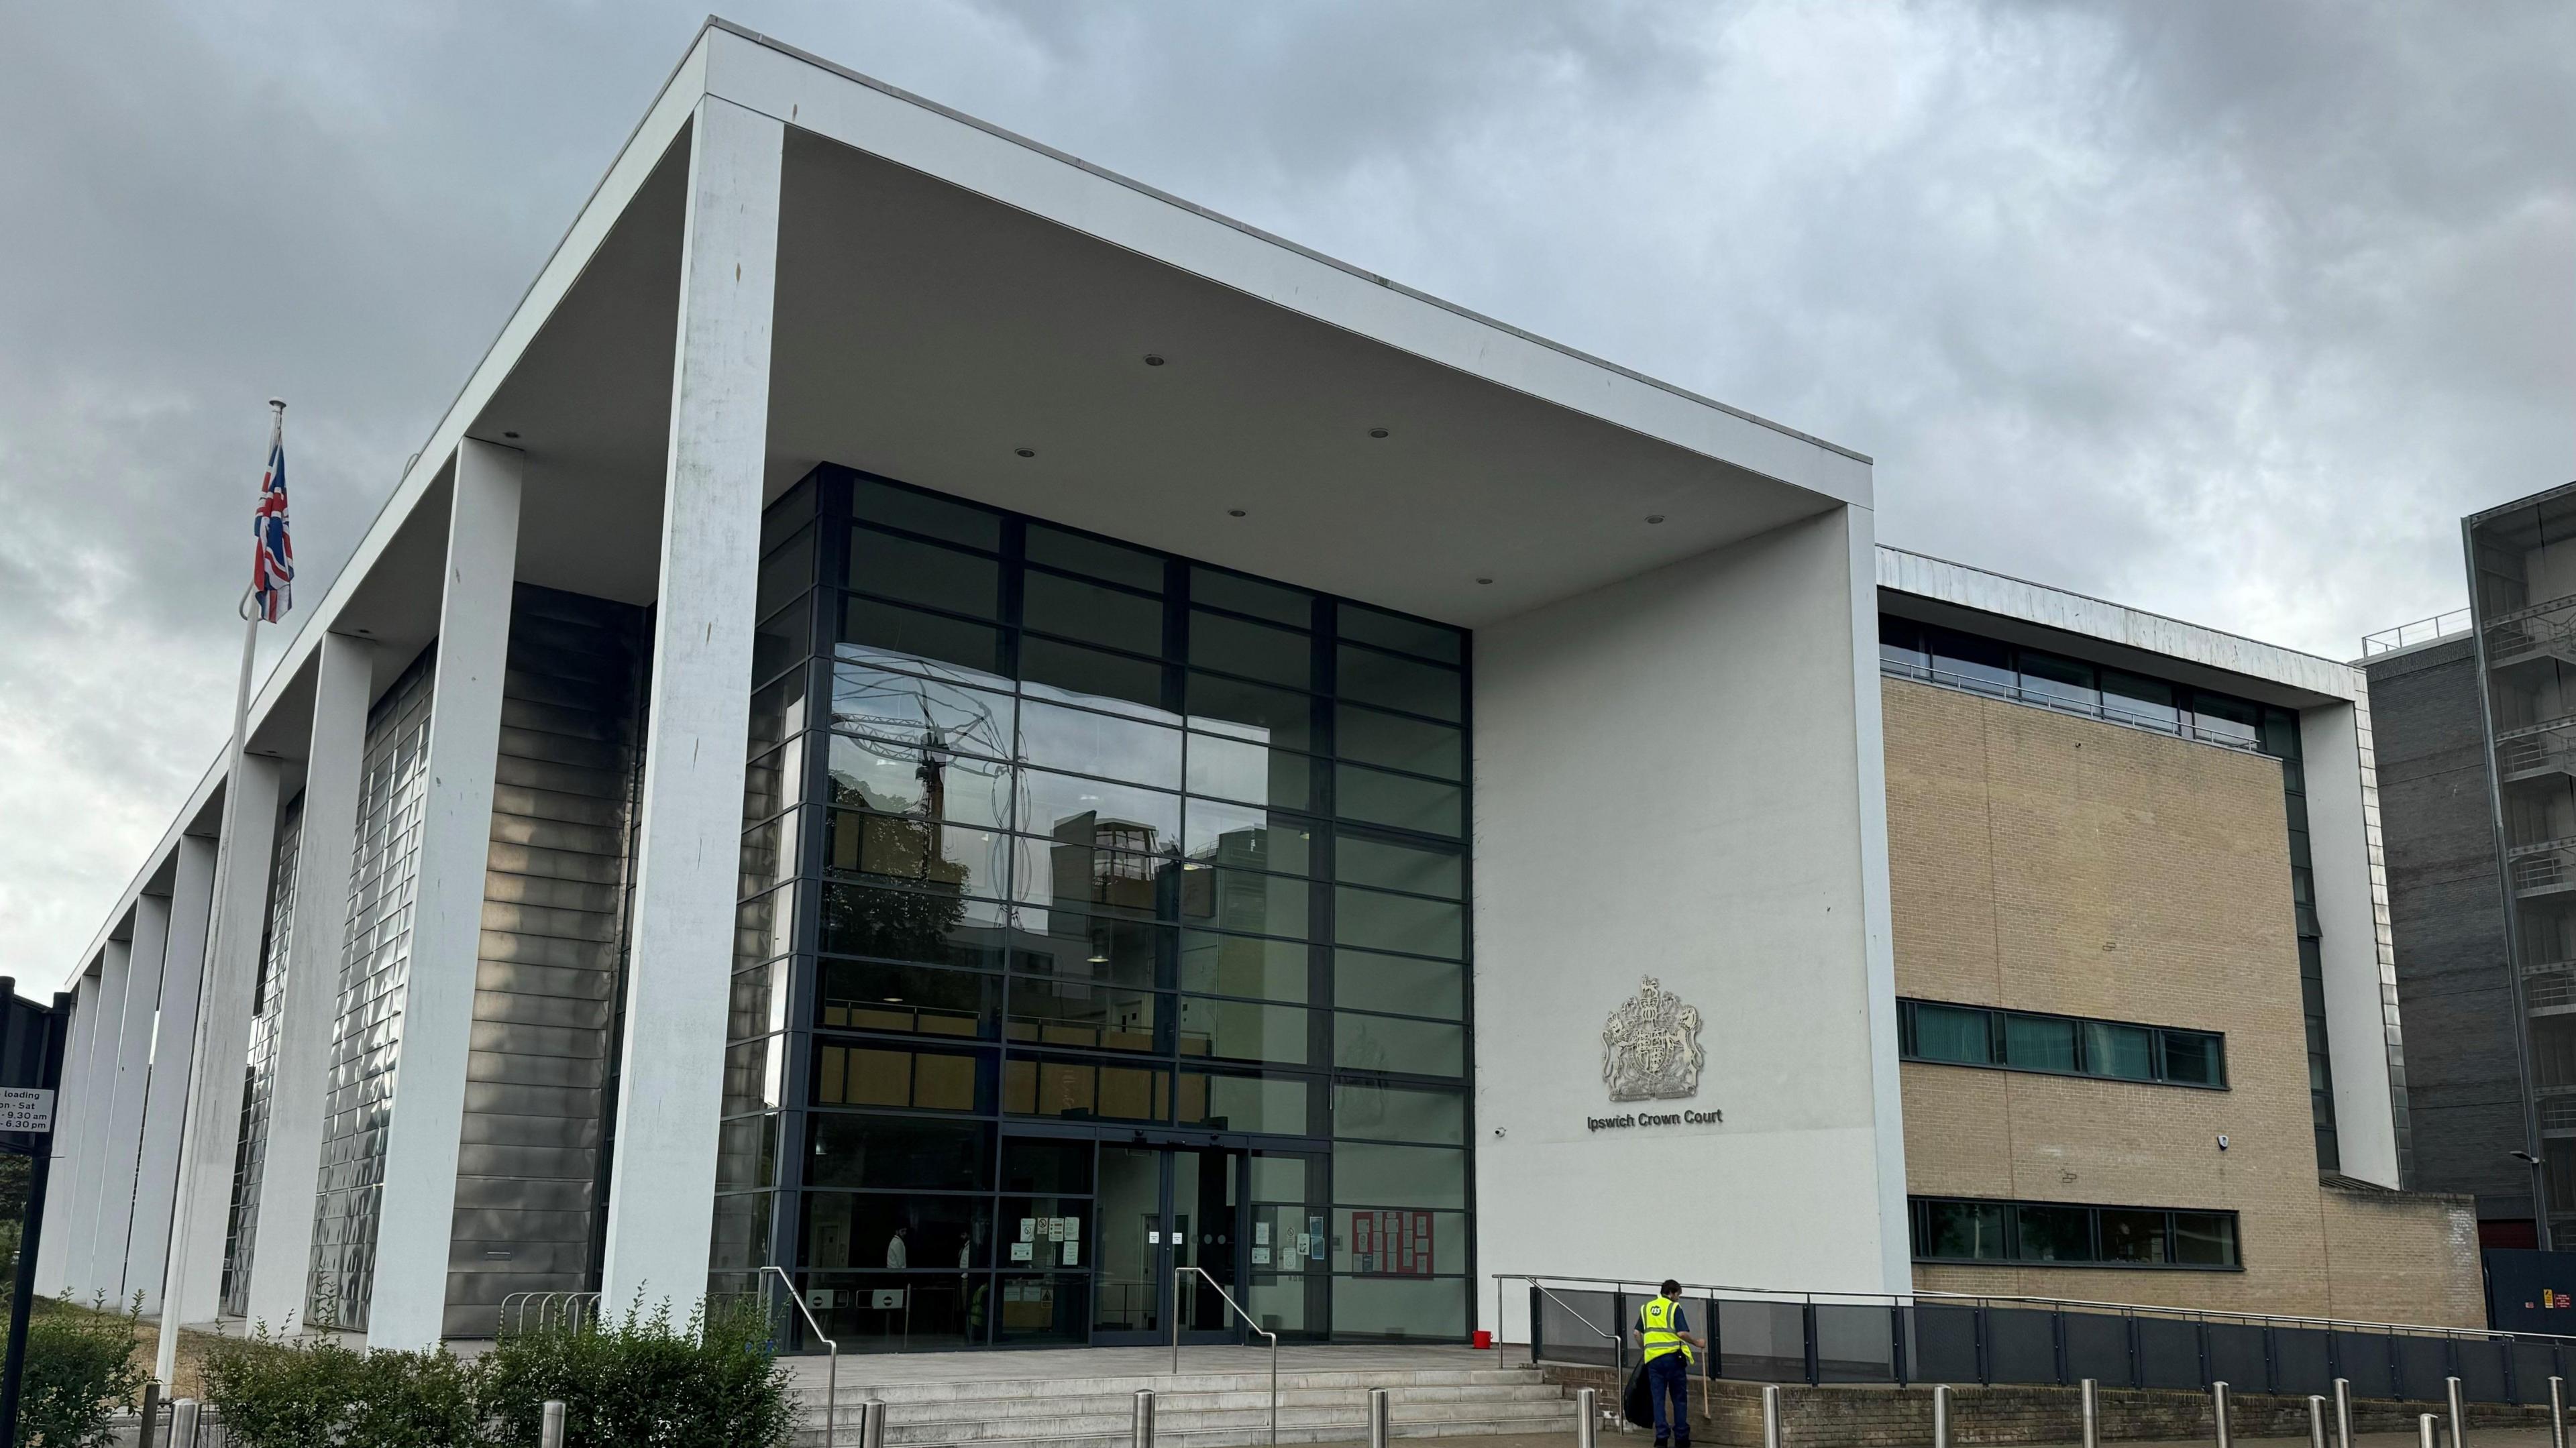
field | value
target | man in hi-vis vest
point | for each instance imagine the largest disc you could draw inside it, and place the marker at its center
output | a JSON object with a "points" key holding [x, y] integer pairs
{"points": [[1664, 1331]]}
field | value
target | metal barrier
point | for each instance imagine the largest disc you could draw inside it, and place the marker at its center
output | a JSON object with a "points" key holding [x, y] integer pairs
{"points": [[1381, 1417], [1761, 1335], [1141, 1424], [831, 1363], [1587, 1418], [550, 1427], [1181, 1274]]}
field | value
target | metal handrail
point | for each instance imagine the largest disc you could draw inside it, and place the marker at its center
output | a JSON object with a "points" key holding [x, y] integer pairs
{"points": [[1618, 1340], [1247, 1321], [1903, 1299], [2419, 631], [831, 1365]]}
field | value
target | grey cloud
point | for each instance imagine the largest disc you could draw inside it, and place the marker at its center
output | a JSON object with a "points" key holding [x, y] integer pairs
{"points": [[2223, 310]]}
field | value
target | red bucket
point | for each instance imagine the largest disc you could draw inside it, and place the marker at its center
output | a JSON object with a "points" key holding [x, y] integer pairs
{"points": [[1484, 1338]]}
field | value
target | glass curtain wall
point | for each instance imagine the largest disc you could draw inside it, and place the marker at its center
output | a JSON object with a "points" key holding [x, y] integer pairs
{"points": [[375, 965], [1057, 847], [259, 1074]]}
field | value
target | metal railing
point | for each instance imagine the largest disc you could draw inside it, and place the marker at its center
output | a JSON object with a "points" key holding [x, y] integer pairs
{"points": [[1181, 1274], [571, 1309], [2421, 631], [832, 1360], [1618, 1341], [1767, 1335], [2084, 702]]}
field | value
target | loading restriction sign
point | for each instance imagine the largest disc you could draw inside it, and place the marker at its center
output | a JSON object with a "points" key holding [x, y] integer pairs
{"points": [[26, 1109]]}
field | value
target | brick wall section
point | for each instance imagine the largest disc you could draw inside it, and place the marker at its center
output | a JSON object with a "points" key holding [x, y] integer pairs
{"points": [[2053, 863], [1727, 1411]]}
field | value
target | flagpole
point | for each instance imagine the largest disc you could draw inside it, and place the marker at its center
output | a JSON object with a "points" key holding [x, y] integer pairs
{"points": [[175, 1263]]}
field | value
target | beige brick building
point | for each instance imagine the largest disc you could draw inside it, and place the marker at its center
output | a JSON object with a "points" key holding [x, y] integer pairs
{"points": [[2116, 1087]]}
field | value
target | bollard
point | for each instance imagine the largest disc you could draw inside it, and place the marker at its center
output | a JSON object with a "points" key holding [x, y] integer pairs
{"points": [[183, 1423], [1381, 1412], [2459, 1415], [550, 1425], [2218, 1412], [2343, 1412], [150, 1424], [2426, 1435], [1144, 1420], [2316, 1421], [2557, 1413], [872, 1416], [1587, 1418], [1770, 1415], [1941, 1415], [2091, 1402]]}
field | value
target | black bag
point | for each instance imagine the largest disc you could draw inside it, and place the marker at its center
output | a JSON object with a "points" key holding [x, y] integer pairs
{"points": [[1637, 1405]]}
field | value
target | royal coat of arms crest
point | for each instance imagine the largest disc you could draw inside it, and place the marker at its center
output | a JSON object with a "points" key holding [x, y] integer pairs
{"points": [[1650, 1048]]}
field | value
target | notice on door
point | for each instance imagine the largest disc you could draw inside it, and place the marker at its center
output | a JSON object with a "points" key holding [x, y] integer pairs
{"points": [[26, 1109]]}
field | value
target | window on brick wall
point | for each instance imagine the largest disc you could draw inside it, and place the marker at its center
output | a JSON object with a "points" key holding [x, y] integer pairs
{"points": [[2071, 1234]]}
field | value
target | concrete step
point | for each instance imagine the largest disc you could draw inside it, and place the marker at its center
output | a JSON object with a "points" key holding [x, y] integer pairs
{"points": [[1190, 1400], [1089, 1420], [857, 1378]]}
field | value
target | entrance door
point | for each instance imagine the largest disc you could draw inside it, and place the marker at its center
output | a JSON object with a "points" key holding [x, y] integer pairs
{"points": [[1160, 1209]]}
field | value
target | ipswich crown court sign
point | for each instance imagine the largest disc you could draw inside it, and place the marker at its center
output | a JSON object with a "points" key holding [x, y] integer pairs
{"points": [[1650, 1051]]}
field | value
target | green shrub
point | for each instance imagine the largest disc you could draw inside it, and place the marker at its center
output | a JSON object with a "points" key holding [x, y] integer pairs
{"points": [[80, 1372], [272, 1394], [641, 1383]]}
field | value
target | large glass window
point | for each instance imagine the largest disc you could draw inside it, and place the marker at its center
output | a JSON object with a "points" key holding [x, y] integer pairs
{"points": [[2067, 1234], [1089, 839], [2065, 1045]]}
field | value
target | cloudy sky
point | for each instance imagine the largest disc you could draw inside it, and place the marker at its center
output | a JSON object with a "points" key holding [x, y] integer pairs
{"points": [[2227, 311]]}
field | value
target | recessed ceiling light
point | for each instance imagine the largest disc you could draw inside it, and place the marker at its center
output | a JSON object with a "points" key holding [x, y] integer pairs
{"points": [[1098, 960], [894, 1000], [1654, 517], [1377, 432], [1026, 452], [1153, 359], [1234, 512], [1484, 580]]}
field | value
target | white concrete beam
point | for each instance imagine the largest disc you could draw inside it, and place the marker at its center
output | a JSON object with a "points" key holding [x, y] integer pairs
{"points": [[416, 1214], [213, 1128], [62, 1250], [299, 1082], [91, 1272], [661, 1200], [165, 1105], [122, 1141]]}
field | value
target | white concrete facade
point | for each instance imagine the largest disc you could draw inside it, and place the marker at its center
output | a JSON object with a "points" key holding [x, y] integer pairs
{"points": [[1673, 614]]}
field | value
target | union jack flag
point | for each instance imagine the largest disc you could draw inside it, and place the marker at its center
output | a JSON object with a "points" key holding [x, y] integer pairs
{"points": [[272, 557]]}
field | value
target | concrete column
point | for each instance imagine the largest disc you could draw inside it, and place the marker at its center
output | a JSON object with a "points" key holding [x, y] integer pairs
{"points": [[281, 1257], [661, 1205], [195, 1274], [59, 1258], [122, 1141], [91, 1272], [165, 1104], [416, 1215]]}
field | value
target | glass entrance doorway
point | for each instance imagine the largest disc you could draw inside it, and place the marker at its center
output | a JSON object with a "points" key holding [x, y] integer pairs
{"points": [[1162, 1209]]}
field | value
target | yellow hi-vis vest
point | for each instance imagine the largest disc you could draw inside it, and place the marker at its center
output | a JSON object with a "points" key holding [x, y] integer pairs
{"points": [[1655, 1329]]}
